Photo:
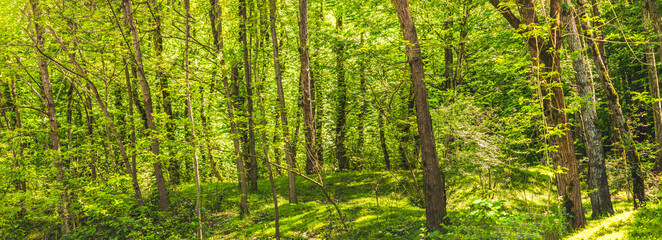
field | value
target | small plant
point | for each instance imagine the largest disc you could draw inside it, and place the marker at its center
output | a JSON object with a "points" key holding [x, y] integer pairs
{"points": [[490, 219]]}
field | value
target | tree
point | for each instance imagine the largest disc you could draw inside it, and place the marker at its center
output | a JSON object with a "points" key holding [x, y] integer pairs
{"points": [[282, 111], [433, 178], [217, 30], [651, 19], [307, 98], [252, 166], [341, 152], [545, 55], [598, 185], [51, 114], [147, 99], [618, 122], [198, 203]]}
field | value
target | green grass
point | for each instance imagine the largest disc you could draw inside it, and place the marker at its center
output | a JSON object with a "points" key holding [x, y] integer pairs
{"points": [[627, 223], [377, 205]]}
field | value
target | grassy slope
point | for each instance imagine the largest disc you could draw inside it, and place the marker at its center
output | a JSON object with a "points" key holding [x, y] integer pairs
{"points": [[376, 206]]}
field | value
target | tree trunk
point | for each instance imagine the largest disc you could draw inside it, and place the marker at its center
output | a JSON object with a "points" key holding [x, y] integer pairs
{"points": [[252, 166], [134, 173], [166, 101], [62, 210], [597, 178], [651, 19], [282, 107], [620, 125], [147, 98], [364, 106], [104, 108], [433, 178], [341, 152], [382, 140], [192, 121], [448, 56], [311, 154], [546, 53], [217, 30]]}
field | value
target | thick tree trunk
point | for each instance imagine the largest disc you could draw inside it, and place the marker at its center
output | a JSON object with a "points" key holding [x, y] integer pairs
{"points": [[309, 121], [52, 116], [433, 178], [597, 178], [341, 152], [282, 107], [620, 125], [217, 30], [147, 98]]}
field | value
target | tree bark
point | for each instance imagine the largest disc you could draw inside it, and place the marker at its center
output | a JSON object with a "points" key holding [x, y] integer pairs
{"points": [[382, 140], [546, 53], [52, 115], [433, 178], [217, 30], [282, 107], [166, 101], [252, 166], [104, 108], [651, 19], [190, 114], [620, 125], [597, 178], [309, 121], [341, 152], [147, 98]]}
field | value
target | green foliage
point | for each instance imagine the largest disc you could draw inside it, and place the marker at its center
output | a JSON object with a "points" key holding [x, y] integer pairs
{"points": [[491, 219]]}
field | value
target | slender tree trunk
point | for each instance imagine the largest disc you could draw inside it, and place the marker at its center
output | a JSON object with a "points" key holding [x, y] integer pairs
{"points": [[134, 173], [282, 109], [433, 178], [448, 55], [265, 150], [62, 210], [12, 103], [147, 97], [111, 126], [651, 19], [364, 106], [166, 101], [382, 140], [546, 53], [217, 29], [190, 115], [243, 35], [597, 178], [318, 109], [309, 121], [620, 125], [316, 81], [343, 162]]}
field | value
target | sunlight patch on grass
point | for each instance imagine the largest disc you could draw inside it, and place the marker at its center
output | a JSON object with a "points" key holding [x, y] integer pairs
{"points": [[605, 227]]}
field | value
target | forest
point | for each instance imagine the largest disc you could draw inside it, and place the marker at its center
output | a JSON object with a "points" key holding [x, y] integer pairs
{"points": [[330, 119]]}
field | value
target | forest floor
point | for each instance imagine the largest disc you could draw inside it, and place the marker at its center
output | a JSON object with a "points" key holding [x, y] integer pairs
{"points": [[377, 205]]}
